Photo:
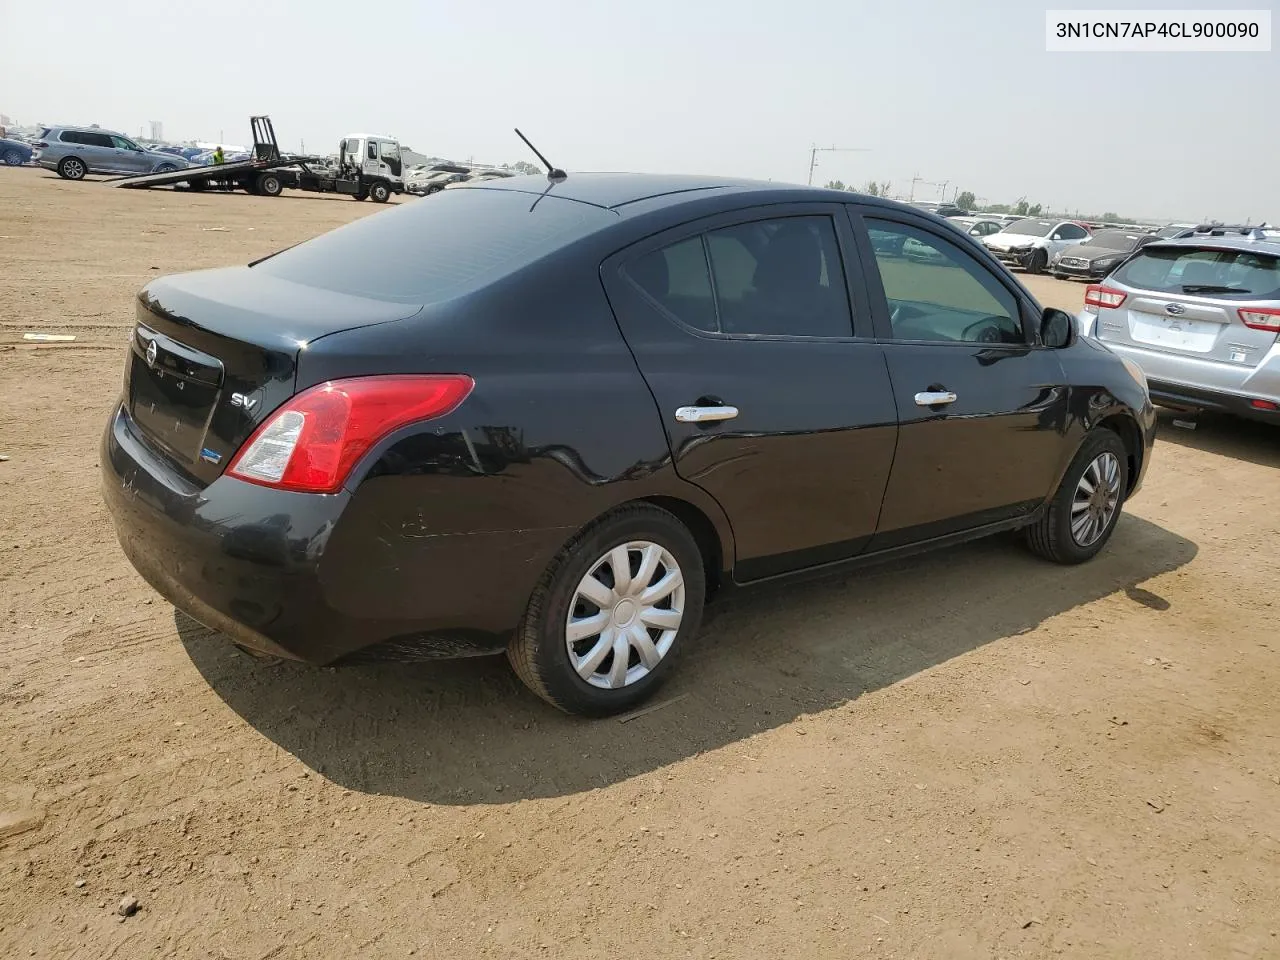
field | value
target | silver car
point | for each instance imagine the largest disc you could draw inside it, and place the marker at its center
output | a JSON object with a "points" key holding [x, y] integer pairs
{"points": [[1200, 316], [76, 151]]}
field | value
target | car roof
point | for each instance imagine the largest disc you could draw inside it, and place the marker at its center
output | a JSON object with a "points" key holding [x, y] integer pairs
{"points": [[613, 191], [1205, 241], [75, 129]]}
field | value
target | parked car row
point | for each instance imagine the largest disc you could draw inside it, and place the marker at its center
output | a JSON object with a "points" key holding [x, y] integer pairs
{"points": [[427, 180]]}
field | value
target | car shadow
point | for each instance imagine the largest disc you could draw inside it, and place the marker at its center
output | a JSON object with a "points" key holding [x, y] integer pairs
{"points": [[462, 732], [1249, 440]]}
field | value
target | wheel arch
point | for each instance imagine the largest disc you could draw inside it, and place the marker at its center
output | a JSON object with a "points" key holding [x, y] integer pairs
{"points": [[1124, 426], [710, 540]]}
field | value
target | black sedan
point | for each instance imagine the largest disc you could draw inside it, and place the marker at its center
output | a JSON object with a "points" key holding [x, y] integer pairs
{"points": [[551, 418], [1099, 255]]}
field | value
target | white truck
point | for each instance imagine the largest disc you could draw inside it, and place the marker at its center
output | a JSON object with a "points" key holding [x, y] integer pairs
{"points": [[370, 167]]}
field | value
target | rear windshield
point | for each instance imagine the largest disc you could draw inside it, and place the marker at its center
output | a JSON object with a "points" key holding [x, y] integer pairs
{"points": [[1031, 228], [1224, 273], [439, 247]]}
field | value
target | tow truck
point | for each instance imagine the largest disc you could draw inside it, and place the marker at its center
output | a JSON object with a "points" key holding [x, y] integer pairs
{"points": [[370, 167]]}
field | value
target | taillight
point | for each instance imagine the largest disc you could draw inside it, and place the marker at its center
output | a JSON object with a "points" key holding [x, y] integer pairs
{"points": [[41, 144], [312, 442], [1096, 295], [1258, 318]]}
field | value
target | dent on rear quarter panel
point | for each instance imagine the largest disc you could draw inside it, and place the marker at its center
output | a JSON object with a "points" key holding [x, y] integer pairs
{"points": [[559, 429]]}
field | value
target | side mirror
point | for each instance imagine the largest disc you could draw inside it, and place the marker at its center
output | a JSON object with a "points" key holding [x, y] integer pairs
{"points": [[1057, 328]]}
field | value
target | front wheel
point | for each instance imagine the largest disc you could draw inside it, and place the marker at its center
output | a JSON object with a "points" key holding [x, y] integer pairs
{"points": [[1086, 507], [611, 613], [165, 168], [14, 158], [1039, 260], [379, 192]]}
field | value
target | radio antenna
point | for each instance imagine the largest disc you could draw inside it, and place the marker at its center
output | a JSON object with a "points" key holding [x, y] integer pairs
{"points": [[554, 174]]}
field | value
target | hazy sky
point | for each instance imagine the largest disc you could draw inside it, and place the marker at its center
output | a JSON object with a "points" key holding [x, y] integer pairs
{"points": [[958, 90]]}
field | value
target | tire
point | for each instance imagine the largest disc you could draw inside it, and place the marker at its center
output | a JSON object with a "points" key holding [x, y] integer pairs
{"points": [[541, 653], [72, 168], [165, 168], [1039, 260], [269, 185], [379, 192], [1052, 536], [13, 158], [360, 196], [197, 185]]}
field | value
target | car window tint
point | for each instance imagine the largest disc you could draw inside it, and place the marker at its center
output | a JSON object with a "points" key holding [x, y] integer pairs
{"points": [[1070, 231], [373, 150], [780, 277], [431, 251], [937, 292], [71, 136], [99, 140], [676, 277], [121, 143]]}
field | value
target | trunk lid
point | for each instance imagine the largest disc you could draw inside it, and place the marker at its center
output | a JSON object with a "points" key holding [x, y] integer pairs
{"points": [[215, 352]]}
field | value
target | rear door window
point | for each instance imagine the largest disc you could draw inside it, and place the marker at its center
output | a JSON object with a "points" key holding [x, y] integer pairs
{"points": [[1207, 272], [72, 136], [776, 277]]}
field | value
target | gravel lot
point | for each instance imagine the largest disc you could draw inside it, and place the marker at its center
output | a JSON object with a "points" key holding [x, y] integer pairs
{"points": [[974, 754]]}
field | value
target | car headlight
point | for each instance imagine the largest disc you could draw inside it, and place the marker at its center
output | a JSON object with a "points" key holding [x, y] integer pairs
{"points": [[1106, 264], [1135, 371]]}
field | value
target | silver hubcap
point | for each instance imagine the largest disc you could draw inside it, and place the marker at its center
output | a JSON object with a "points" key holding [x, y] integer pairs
{"points": [[625, 615], [74, 168], [1097, 499]]}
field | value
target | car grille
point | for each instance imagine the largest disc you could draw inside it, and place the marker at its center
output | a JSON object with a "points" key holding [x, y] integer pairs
{"points": [[1073, 262]]}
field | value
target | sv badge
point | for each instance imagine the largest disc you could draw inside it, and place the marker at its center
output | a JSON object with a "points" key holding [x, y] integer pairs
{"points": [[244, 401]]}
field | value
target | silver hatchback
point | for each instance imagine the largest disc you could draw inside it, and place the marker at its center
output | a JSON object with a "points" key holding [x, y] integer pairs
{"points": [[75, 151], [1200, 316]]}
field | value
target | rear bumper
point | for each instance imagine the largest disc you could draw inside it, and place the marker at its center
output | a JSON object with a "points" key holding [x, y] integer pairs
{"points": [[310, 577], [1197, 382], [1182, 397]]}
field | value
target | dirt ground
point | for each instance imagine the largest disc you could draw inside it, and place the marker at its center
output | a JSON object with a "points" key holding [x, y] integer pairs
{"points": [[974, 754]]}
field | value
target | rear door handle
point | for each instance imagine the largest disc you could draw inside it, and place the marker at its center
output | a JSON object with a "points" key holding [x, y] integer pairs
{"points": [[705, 414], [933, 398]]}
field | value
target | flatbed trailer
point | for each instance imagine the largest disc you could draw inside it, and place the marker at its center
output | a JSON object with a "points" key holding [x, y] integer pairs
{"points": [[267, 173]]}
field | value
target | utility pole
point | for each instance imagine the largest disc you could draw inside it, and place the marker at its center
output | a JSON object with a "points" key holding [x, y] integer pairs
{"points": [[944, 190], [814, 150], [914, 180]]}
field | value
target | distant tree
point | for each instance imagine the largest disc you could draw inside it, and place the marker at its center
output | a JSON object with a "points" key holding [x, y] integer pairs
{"points": [[1034, 211], [885, 188], [835, 184], [1021, 209], [1111, 217], [872, 189], [996, 208], [966, 200], [525, 167]]}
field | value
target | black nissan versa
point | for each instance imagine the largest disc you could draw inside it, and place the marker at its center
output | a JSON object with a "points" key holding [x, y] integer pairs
{"points": [[551, 417]]}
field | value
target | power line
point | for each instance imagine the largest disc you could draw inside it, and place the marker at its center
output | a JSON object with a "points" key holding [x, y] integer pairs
{"points": [[814, 150]]}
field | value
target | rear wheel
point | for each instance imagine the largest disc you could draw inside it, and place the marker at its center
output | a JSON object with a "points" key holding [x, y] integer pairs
{"points": [[379, 192], [269, 185], [1039, 259], [1083, 513], [611, 612], [14, 158], [72, 168]]}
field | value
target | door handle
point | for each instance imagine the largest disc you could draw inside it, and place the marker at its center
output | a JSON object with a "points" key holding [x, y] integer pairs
{"points": [[705, 414], [933, 398]]}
